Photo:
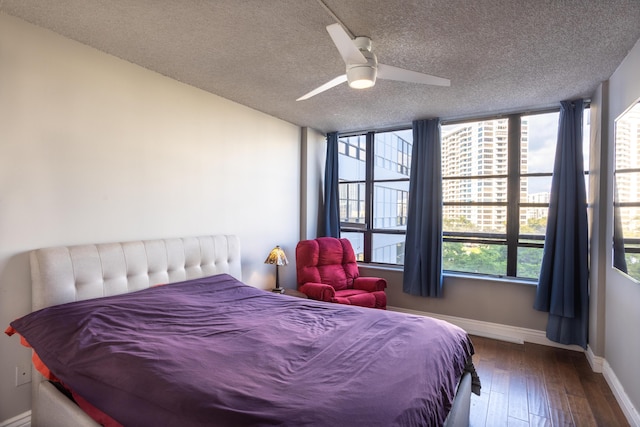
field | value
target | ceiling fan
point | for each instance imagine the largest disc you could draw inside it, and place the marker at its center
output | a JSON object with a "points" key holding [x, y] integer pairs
{"points": [[363, 67]]}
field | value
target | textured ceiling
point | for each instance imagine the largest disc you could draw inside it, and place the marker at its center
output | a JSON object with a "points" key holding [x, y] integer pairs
{"points": [[500, 55]]}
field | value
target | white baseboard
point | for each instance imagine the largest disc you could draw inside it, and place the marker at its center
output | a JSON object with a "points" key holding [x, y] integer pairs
{"points": [[496, 331], [521, 335], [22, 420], [596, 362], [625, 403]]}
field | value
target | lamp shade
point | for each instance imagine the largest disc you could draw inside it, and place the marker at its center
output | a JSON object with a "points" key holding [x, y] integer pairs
{"points": [[277, 257]]}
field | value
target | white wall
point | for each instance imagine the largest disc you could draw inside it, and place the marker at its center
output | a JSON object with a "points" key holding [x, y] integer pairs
{"points": [[622, 346], [95, 149]]}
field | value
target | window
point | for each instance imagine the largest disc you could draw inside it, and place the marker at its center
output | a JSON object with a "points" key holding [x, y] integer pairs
{"points": [[374, 193], [496, 184]]}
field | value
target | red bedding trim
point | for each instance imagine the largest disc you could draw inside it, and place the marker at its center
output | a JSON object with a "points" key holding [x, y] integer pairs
{"points": [[95, 413], [35, 359]]}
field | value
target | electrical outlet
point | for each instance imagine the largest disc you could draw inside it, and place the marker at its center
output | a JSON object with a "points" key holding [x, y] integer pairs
{"points": [[23, 375]]}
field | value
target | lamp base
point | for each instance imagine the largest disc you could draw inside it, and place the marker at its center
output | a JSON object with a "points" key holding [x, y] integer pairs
{"points": [[278, 290]]}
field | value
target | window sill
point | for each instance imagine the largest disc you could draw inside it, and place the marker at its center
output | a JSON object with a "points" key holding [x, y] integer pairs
{"points": [[456, 275], [503, 279]]}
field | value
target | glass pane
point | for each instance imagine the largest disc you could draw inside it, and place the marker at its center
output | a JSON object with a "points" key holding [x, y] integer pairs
{"points": [[539, 134], [388, 248], [529, 262], [485, 219], [630, 219], [533, 221], [535, 189], [628, 187], [357, 241], [628, 139], [392, 152], [474, 258], [390, 205], [474, 190], [475, 148], [352, 203], [352, 157], [586, 139], [633, 264]]}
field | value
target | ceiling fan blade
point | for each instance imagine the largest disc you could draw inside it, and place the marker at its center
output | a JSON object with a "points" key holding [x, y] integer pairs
{"points": [[390, 72], [348, 50], [328, 85]]}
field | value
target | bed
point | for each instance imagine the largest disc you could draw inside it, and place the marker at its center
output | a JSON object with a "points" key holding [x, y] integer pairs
{"points": [[164, 332]]}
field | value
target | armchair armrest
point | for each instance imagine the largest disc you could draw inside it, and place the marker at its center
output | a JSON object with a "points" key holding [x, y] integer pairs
{"points": [[370, 284], [318, 291]]}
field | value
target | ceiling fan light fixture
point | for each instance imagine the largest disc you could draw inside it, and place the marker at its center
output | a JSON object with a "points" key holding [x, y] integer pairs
{"points": [[361, 77]]}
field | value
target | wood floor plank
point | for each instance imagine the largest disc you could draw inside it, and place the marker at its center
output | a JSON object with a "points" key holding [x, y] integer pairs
{"points": [[537, 397], [500, 381], [560, 418], [515, 422], [518, 398], [571, 380], [581, 411], [600, 407], [479, 409], [557, 397], [497, 409], [485, 372], [538, 421]]}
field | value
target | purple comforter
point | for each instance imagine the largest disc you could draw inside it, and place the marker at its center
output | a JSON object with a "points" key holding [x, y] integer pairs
{"points": [[217, 352]]}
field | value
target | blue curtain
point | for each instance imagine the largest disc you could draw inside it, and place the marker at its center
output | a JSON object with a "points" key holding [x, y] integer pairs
{"points": [[423, 247], [563, 286], [331, 196]]}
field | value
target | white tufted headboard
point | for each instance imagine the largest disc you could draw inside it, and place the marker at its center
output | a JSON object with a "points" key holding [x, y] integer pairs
{"points": [[72, 273]]}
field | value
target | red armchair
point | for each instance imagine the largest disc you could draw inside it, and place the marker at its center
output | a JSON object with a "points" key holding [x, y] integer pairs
{"points": [[327, 271]]}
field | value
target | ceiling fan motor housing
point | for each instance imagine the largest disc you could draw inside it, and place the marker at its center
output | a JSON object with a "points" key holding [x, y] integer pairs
{"points": [[362, 76]]}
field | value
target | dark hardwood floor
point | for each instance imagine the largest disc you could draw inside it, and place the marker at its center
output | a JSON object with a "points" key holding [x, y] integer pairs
{"points": [[536, 385]]}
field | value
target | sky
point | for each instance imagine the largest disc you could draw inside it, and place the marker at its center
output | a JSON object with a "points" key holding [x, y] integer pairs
{"points": [[543, 134]]}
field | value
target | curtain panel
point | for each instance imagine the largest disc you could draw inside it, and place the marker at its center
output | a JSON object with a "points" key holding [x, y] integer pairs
{"points": [[331, 214], [563, 287], [423, 246]]}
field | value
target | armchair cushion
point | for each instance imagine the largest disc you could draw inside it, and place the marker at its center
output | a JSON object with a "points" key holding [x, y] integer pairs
{"points": [[370, 284], [318, 291], [355, 297], [326, 260]]}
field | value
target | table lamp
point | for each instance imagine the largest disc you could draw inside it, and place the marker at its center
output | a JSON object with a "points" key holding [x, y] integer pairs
{"points": [[277, 257]]}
